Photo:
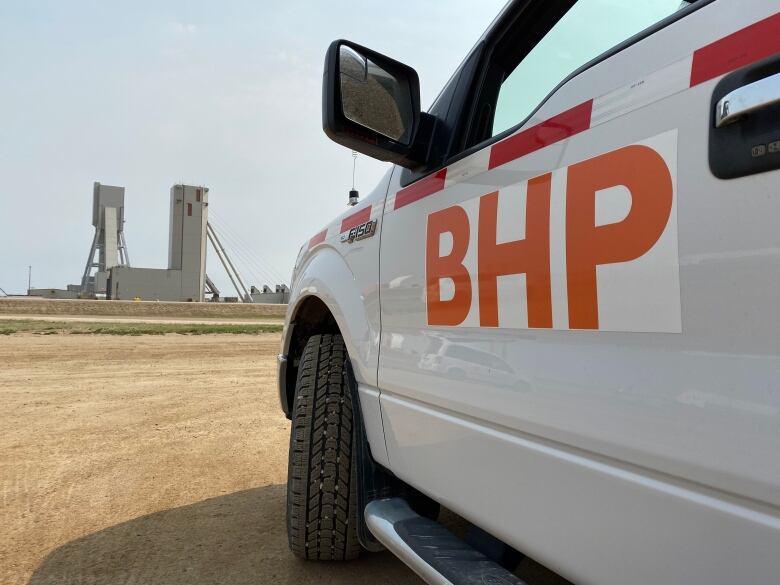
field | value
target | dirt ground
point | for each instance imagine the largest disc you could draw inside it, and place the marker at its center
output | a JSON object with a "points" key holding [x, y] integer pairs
{"points": [[149, 460]]}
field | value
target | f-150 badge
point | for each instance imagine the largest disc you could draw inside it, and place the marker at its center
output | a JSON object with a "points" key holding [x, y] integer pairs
{"points": [[360, 232]]}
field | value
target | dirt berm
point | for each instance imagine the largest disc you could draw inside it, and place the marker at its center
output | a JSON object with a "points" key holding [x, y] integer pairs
{"points": [[33, 306]]}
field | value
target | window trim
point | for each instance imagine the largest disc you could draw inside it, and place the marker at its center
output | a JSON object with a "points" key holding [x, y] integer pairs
{"points": [[508, 25], [540, 12]]}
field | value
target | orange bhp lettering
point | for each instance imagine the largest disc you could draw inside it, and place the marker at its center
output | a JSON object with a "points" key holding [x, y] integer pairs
{"points": [[530, 256], [452, 220], [644, 172]]}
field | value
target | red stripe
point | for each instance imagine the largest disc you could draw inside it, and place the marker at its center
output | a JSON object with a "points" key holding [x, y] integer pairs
{"points": [[550, 131], [318, 239], [741, 48], [422, 188], [356, 218]]}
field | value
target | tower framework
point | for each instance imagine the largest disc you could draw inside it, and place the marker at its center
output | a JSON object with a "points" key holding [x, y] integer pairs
{"points": [[108, 243]]}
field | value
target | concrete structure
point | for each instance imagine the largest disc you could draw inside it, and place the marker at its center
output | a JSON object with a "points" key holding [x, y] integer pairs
{"points": [[55, 293], [147, 284], [108, 270], [185, 277], [72, 292], [108, 217], [187, 241], [279, 296]]}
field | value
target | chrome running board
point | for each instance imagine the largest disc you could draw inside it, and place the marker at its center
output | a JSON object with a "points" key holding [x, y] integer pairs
{"points": [[430, 550]]}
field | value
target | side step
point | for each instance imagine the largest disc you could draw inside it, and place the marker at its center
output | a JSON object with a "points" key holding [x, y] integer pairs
{"points": [[430, 550]]}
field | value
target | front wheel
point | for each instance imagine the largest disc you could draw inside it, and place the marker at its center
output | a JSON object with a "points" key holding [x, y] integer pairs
{"points": [[322, 472]]}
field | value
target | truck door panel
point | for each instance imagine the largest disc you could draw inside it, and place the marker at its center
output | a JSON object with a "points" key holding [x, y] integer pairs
{"points": [[642, 361]]}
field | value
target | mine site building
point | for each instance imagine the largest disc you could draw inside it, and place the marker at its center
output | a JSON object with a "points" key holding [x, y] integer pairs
{"points": [[185, 277]]}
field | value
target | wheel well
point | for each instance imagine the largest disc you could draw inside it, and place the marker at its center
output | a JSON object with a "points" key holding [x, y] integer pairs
{"points": [[311, 318]]}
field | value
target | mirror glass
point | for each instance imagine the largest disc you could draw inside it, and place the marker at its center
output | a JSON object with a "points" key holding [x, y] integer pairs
{"points": [[374, 98]]}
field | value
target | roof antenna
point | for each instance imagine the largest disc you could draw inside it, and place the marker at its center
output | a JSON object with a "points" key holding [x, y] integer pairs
{"points": [[353, 193]]}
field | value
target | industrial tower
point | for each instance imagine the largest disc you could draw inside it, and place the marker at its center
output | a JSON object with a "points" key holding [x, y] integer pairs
{"points": [[187, 238], [108, 217], [185, 278]]}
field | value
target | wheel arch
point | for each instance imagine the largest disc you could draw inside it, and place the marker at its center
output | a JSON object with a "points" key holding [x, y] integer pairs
{"points": [[311, 316], [327, 297]]}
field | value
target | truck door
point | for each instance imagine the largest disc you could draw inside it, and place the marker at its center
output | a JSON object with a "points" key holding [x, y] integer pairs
{"points": [[604, 223]]}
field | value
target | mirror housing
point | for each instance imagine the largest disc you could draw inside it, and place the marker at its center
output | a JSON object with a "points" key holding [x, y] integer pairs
{"points": [[371, 104]]}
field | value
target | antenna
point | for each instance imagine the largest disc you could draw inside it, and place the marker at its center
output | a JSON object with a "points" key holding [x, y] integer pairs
{"points": [[353, 193]]}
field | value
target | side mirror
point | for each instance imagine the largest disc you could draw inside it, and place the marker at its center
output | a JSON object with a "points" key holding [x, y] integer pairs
{"points": [[371, 104]]}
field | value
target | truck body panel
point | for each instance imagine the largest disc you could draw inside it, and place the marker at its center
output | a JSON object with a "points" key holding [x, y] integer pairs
{"points": [[569, 333]]}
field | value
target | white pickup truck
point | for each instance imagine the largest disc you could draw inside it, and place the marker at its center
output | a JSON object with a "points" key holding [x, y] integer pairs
{"points": [[558, 314]]}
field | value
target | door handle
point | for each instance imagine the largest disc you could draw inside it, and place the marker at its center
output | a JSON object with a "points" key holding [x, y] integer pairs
{"points": [[747, 99]]}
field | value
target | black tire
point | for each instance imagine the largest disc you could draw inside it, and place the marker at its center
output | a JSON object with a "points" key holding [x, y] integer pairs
{"points": [[322, 473]]}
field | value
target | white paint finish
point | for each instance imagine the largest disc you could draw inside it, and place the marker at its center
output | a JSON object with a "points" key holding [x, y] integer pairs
{"points": [[390, 202], [612, 205], [372, 419], [510, 226], [512, 305], [447, 289], [345, 277], [700, 407], [656, 86], [326, 276], [558, 278], [592, 520], [467, 168], [445, 244], [472, 210], [617, 393]]}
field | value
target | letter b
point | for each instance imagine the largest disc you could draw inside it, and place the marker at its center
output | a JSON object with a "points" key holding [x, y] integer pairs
{"points": [[454, 311]]}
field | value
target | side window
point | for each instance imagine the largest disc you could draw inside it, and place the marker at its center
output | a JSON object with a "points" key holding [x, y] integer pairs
{"points": [[588, 29]]}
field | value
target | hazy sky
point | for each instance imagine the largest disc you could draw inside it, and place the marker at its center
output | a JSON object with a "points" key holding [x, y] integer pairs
{"points": [[222, 94]]}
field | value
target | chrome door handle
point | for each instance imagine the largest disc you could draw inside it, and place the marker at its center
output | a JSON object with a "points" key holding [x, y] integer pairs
{"points": [[747, 99]]}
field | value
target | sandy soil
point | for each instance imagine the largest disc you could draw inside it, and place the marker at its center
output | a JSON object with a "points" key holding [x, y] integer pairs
{"points": [[149, 460]]}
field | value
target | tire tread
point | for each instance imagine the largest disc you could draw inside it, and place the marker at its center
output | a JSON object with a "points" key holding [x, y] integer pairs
{"points": [[322, 473]]}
